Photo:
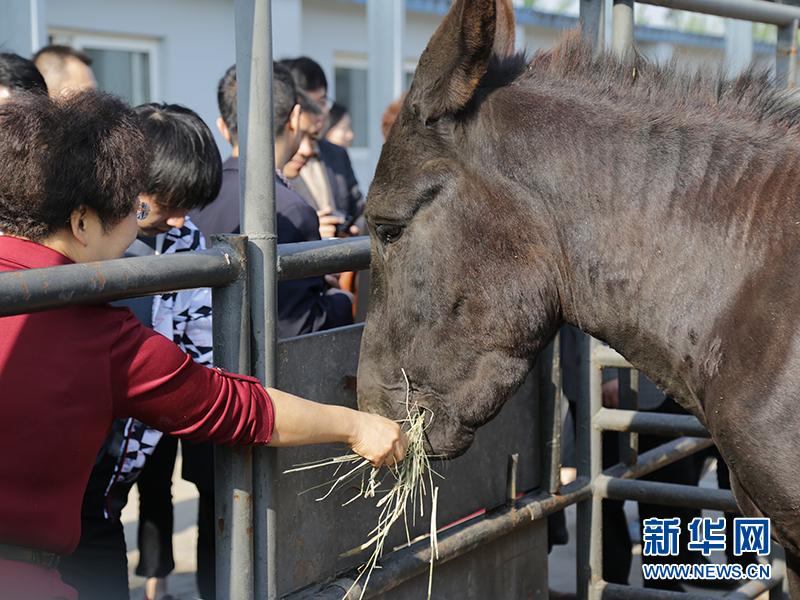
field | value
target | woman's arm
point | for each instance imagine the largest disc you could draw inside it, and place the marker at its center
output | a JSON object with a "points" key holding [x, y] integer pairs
{"points": [[299, 422], [153, 381]]}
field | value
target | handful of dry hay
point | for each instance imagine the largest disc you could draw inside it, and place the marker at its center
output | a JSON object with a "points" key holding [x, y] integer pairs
{"points": [[413, 480]]}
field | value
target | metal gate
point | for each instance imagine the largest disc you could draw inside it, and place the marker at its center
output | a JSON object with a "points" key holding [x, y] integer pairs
{"points": [[272, 542]]}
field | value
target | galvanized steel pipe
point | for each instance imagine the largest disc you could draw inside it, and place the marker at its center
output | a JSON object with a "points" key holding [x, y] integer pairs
{"points": [[257, 200], [308, 259], [746, 10], [671, 494], [33, 290], [613, 419], [233, 469]]}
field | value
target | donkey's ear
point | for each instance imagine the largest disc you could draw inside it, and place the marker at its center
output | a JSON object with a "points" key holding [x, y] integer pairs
{"points": [[458, 54]]}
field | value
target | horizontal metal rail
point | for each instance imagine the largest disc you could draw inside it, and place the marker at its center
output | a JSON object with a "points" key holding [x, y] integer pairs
{"points": [[754, 589], [603, 356], [671, 494], [404, 564], [746, 10], [612, 419], [659, 457], [33, 290], [616, 591], [308, 259]]}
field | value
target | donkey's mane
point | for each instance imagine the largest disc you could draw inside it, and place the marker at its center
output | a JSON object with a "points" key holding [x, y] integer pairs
{"points": [[666, 90]]}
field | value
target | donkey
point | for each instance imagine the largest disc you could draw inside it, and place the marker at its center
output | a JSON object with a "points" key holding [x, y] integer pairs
{"points": [[655, 210]]}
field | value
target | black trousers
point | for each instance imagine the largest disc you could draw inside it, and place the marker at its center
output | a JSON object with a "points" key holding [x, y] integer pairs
{"points": [[98, 568], [155, 511], [206, 565]]}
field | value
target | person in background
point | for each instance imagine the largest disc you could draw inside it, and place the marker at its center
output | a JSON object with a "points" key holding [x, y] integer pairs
{"points": [[330, 169], [18, 74], [65, 70], [185, 173], [340, 126], [80, 367], [332, 221], [304, 305]]}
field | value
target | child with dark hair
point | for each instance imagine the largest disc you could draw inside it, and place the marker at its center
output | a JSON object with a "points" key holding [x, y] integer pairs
{"points": [[185, 174]]}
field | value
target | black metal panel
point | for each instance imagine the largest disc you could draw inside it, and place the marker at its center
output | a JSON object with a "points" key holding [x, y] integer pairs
{"points": [[323, 367], [513, 566]]}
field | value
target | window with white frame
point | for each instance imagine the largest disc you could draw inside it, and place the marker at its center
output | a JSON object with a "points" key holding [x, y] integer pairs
{"points": [[123, 65]]}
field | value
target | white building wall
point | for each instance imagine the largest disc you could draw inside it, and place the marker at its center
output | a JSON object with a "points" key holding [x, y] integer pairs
{"points": [[22, 26]]}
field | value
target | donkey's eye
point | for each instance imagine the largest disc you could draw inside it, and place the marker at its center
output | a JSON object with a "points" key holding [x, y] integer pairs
{"points": [[388, 233]]}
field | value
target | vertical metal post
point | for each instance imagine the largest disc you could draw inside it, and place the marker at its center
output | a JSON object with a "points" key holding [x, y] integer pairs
{"points": [[629, 400], [256, 175], [786, 55], [738, 45], [596, 443], [583, 429], [622, 37], [385, 77], [592, 20], [550, 415], [233, 474]]}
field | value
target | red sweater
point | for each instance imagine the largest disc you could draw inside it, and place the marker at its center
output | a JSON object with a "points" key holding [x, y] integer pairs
{"points": [[65, 374]]}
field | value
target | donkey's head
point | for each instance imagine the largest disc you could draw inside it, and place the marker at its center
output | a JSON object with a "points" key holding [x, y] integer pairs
{"points": [[463, 289]]}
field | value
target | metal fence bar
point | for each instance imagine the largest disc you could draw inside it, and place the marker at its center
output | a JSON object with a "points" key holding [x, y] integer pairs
{"points": [[786, 55], [622, 23], [604, 356], [257, 200], [596, 437], [611, 419], [402, 565], [628, 400], [754, 589], [592, 20], [233, 474], [746, 10], [552, 421], [615, 591], [307, 259], [33, 290], [584, 450], [658, 457], [671, 494]]}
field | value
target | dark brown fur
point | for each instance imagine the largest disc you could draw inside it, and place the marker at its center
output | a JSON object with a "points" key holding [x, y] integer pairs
{"points": [[654, 209]]}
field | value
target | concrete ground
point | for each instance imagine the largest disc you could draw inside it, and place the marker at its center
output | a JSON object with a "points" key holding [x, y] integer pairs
{"points": [[182, 583]]}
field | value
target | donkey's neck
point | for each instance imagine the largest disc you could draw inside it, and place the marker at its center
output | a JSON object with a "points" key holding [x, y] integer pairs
{"points": [[661, 236]]}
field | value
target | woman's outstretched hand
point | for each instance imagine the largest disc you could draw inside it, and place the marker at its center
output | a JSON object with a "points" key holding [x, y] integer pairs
{"points": [[378, 439]]}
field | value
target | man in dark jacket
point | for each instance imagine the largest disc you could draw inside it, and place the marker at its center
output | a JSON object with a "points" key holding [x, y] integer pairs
{"points": [[304, 305], [332, 188]]}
